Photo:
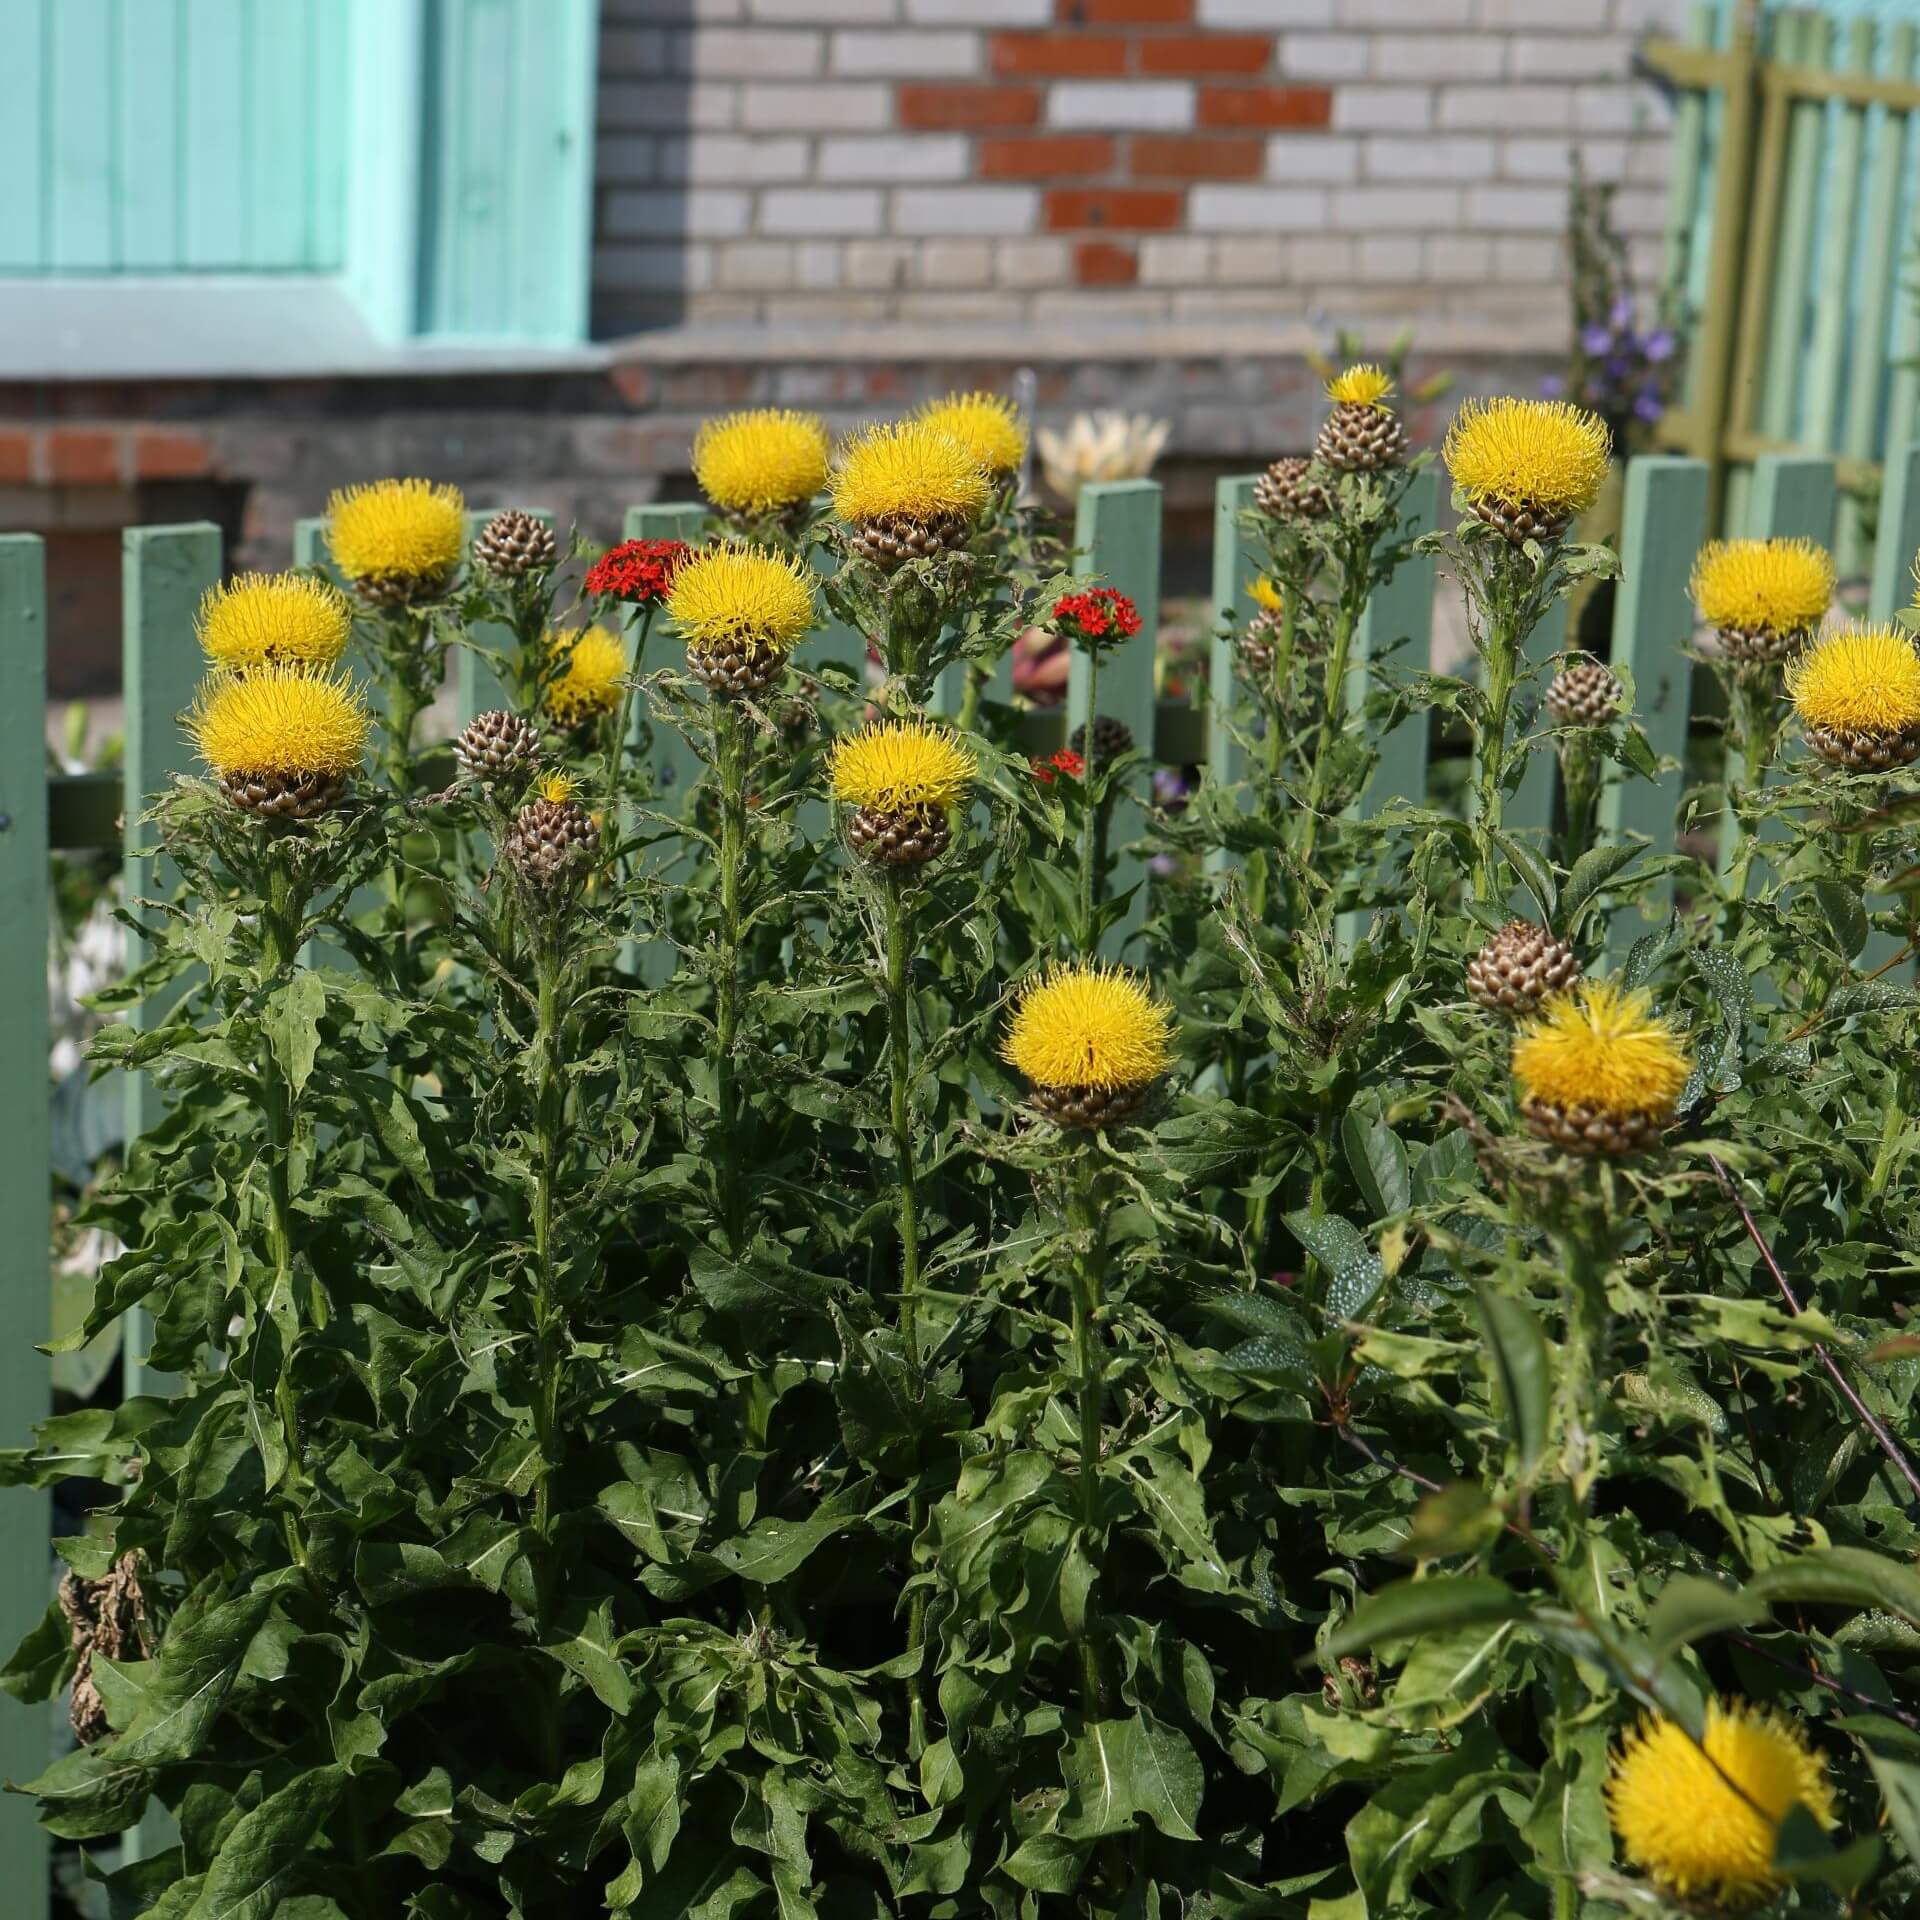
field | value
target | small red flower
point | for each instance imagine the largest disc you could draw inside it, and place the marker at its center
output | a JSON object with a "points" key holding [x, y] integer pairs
{"points": [[1041, 771], [637, 571], [1069, 763], [1097, 616]]}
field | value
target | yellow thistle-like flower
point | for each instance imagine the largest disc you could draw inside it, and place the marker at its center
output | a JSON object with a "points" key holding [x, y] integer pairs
{"points": [[1086, 1026], [1763, 586], [1545, 455], [730, 596], [909, 471], [1704, 1823], [988, 426], [1601, 1047], [1859, 680], [397, 530], [1267, 593], [280, 718], [593, 677], [557, 788], [763, 461], [1362, 386], [256, 617], [901, 764]]}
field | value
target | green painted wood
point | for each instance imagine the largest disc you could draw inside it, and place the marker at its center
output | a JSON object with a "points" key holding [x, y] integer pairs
{"points": [[1792, 497], [1117, 539], [328, 83], [1236, 566], [1663, 523], [217, 213], [1899, 541], [477, 687], [507, 127], [23, 142], [676, 767], [277, 51], [164, 571], [1397, 629], [386, 80], [1684, 176], [1881, 274], [26, 1176], [148, 99], [80, 163], [1826, 354], [1807, 40]]}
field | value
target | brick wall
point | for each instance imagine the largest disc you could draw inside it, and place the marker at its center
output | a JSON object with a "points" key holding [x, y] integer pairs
{"points": [[1004, 164]]}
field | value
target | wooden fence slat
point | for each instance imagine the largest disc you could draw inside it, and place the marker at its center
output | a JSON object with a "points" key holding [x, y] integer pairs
{"points": [[1117, 537], [477, 687], [1236, 566], [1401, 609], [1899, 541], [1808, 42], [26, 1172], [1663, 524], [164, 571], [1825, 355]]}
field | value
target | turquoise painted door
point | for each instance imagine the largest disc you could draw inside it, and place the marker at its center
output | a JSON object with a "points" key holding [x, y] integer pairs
{"points": [[172, 136]]}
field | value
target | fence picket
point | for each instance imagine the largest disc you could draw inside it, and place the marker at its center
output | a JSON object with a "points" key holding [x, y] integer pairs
{"points": [[1893, 559], [1236, 566], [1826, 354], [1401, 609], [26, 1171], [1663, 524], [1801, 40], [164, 571], [1117, 537]]}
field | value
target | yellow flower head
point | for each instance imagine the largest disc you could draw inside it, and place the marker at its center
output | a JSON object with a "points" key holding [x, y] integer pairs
{"points": [[903, 764], [1545, 454], [746, 596], [397, 530], [1859, 680], [988, 426], [591, 681], [1267, 593], [1703, 1824], [1601, 1047], [257, 617], [557, 788], [1763, 586], [1362, 386], [281, 717], [908, 471], [763, 461], [1086, 1026]]}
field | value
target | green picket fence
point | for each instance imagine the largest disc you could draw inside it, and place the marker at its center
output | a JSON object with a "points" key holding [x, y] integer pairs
{"points": [[166, 569]]}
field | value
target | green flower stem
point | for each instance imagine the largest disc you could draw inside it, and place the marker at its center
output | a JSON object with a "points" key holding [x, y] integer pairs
{"points": [[976, 685], [732, 746], [282, 912], [1356, 575], [1275, 703], [1090, 824], [617, 745], [1490, 752], [1755, 715], [1580, 782], [549, 1096], [1583, 1242], [1089, 1298]]}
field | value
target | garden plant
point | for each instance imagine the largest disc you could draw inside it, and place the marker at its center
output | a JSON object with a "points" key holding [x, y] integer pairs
{"points": [[785, 1345]]}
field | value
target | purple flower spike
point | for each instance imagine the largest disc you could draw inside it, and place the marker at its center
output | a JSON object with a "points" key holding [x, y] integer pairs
{"points": [[1596, 340], [1647, 406], [1552, 387], [1658, 345]]}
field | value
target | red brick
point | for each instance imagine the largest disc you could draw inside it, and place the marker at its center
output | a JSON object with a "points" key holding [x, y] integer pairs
{"points": [[1076, 55], [1204, 53], [633, 383], [1042, 156], [16, 458], [1125, 13], [162, 453], [1125, 209], [929, 105], [1195, 156], [83, 457], [1265, 107], [1099, 263]]}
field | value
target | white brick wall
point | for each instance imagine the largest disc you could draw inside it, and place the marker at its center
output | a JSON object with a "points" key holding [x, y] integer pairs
{"points": [[820, 163]]}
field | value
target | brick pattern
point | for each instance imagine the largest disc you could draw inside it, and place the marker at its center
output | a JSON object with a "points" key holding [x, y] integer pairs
{"points": [[997, 163]]}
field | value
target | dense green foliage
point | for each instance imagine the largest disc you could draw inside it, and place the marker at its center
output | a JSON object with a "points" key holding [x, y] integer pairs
{"points": [[1275, 1507]]}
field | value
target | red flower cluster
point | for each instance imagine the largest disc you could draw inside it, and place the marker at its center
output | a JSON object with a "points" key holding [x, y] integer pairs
{"points": [[1100, 615], [1065, 761], [637, 571]]}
